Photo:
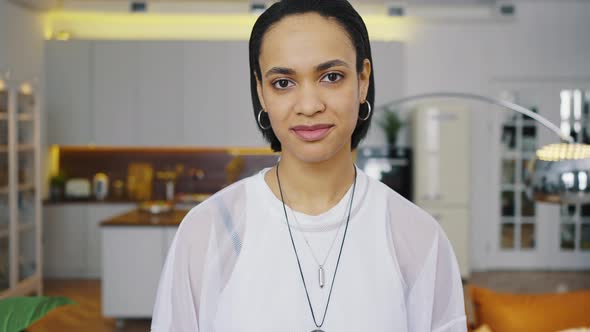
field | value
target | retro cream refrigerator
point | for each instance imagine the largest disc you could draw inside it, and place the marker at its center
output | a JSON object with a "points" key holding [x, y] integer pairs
{"points": [[441, 142]]}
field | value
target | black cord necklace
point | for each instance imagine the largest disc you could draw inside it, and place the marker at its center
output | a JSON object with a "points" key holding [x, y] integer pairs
{"points": [[297, 256]]}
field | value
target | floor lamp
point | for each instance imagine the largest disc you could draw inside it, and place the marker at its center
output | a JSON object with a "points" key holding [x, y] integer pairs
{"points": [[560, 173]]}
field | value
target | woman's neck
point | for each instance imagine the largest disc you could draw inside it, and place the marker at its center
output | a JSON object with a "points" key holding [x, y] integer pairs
{"points": [[312, 188]]}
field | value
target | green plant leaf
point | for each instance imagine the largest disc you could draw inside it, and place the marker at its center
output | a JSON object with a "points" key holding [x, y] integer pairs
{"points": [[391, 124], [18, 313]]}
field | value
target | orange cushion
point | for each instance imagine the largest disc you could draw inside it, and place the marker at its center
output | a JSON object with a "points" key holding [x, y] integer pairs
{"points": [[504, 312]]}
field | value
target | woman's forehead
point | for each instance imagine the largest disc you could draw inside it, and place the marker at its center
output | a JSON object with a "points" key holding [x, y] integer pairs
{"points": [[302, 42]]}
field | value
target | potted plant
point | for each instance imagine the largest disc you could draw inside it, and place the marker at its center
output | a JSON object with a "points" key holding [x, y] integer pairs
{"points": [[20, 312], [391, 124], [399, 176], [57, 186]]}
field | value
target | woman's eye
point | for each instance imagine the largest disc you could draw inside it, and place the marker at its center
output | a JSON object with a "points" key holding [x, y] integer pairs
{"points": [[281, 84], [333, 77]]}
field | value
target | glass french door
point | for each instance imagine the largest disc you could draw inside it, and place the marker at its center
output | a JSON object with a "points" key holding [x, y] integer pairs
{"points": [[528, 234]]}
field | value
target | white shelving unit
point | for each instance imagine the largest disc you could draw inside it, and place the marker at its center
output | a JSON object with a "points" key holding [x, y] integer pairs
{"points": [[20, 200]]}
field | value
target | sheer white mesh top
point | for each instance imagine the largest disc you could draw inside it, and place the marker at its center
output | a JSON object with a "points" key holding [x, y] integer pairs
{"points": [[231, 266]]}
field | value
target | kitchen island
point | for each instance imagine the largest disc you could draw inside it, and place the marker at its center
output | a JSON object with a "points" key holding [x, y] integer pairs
{"points": [[134, 249]]}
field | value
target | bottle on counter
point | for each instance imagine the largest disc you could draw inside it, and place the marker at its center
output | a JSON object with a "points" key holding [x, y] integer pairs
{"points": [[170, 190], [100, 186]]}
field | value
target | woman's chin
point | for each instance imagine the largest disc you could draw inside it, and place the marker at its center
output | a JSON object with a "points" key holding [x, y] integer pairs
{"points": [[316, 154]]}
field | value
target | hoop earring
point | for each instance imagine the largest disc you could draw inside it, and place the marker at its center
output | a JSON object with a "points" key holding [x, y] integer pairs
{"points": [[260, 123], [368, 112]]}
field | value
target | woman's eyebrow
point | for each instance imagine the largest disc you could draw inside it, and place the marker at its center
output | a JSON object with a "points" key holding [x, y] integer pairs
{"points": [[330, 64], [321, 67], [280, 71]]}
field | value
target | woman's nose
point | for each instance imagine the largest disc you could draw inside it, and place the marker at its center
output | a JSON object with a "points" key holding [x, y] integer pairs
{"points": [[309, 101]]}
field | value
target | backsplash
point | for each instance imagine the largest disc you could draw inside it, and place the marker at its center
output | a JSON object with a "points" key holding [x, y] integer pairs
{"points": [[192, 170]]}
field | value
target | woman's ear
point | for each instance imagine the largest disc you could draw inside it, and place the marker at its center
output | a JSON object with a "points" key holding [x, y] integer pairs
{"points": [[259, 91], [364, 76]]}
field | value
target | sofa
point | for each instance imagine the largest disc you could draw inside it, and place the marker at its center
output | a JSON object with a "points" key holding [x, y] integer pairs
{"points": [[551, 312]]}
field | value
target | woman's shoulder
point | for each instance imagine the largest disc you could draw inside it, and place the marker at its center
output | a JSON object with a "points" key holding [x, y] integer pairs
{"points": [[415, 236], [400, 210], [413, 232]]}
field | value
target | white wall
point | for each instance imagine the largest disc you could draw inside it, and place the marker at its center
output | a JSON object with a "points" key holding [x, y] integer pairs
{"points": [[545, 41]]}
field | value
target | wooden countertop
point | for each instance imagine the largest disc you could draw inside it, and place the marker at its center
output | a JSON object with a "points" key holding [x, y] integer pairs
{"points": [[48, 202], [141, 218]]}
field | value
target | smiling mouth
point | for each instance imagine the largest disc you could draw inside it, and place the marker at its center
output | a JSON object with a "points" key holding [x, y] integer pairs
{"points": [[312, 133]]}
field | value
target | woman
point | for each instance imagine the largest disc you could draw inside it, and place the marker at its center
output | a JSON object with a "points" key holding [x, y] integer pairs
{"points": [[311, 244]]}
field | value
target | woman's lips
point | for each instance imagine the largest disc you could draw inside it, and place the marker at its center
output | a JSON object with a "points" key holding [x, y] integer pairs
{"points": [[312, 133]]}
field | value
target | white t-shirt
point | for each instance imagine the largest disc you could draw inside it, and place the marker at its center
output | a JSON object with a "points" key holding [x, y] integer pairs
{"points": [[232, 267]]}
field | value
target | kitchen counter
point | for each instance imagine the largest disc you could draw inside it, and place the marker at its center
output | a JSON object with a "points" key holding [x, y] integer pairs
{"points": [[49, 202], [141, 218], [181, 198]]}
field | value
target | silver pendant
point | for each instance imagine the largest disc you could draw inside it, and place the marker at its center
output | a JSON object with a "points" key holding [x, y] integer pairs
{"points": [[321, 278]]}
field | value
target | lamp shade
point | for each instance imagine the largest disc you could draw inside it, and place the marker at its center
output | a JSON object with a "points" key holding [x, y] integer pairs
{"points": [[560, 173]]}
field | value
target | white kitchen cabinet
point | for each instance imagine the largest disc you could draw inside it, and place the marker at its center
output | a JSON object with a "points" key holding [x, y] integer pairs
{"points": [[133, 257], [65, 241], [72, 238], [68, 92], [206, 93], [157, 93], [160, 93], [241, 128], [115, 92], [96, 214]]}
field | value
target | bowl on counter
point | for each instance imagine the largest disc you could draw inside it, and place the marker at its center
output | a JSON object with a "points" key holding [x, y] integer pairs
{"points": [[156, 207]]}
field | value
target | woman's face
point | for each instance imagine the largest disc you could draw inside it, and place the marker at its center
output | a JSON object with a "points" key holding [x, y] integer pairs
{"points": [[310, 87]]}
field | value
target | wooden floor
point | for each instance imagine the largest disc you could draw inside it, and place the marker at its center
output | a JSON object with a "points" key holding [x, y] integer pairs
{"points": [[85, 316]]}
